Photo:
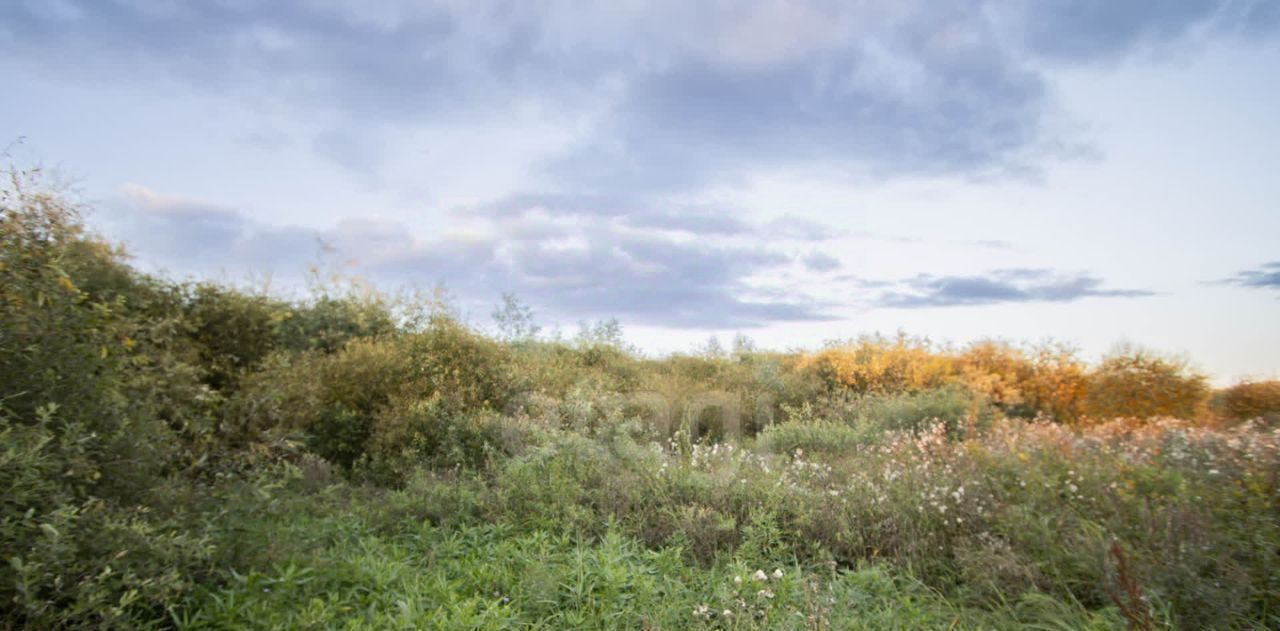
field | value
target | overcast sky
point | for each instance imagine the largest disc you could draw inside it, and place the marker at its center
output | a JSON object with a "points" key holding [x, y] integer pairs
{"points": [[1097, 172]]}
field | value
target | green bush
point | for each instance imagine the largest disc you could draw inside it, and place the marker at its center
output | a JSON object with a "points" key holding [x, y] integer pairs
{"points": [[467, 370], [913, 412], [328, 322], [434, 434], [812, 437]]}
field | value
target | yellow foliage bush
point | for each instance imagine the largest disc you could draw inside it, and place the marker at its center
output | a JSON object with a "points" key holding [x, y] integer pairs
{"points": [[1046, 380], [1251, 399], [1055, 385], [876, 365], [1140, 384], [995, 370]]}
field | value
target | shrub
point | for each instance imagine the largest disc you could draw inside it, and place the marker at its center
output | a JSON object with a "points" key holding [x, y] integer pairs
{"points": [[1250, 400], [1053, 384], [876, 365], [995, 370], [235, 330], [915, 412], [467, 370], [1140, 384], [328, 322], [812, 437], [434, 434]]}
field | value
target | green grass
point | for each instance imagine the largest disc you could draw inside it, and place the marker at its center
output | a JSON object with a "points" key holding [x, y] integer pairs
{"points": [[496, 577]]}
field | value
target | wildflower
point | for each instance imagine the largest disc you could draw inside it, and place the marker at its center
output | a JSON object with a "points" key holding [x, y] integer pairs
{"points": [[760, 575], [764, 593], [726, 613], [737, 580], [777, 573]]}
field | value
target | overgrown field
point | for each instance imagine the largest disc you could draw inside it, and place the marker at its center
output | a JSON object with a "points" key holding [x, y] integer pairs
{"points": [[193, 455]]}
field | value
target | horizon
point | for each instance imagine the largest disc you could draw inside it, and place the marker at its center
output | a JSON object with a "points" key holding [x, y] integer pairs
{"points": [[792, 171]]}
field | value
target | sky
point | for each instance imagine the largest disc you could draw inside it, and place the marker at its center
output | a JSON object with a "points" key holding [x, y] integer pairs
{"points": [[1095, 172]]}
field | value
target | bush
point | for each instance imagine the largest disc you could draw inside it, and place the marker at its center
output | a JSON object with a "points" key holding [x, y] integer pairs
{"points": [[814, 437], [877, 365], [915, 412], [995, 370], [328, 322], [1251, 400], [1054, 385], [234, 330], [1140, 384], [434, 434], [468, 371]]}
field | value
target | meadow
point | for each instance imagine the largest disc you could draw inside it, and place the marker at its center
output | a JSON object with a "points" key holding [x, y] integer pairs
{"points": [[194, 455]]}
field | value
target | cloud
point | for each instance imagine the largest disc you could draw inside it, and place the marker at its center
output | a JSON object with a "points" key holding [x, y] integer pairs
{"points": [[532, 210], [991, 244], [190, 237], [1079, 30], [998, 287], [1266, 276], [673, 95], [563, 255], [821, 262]]}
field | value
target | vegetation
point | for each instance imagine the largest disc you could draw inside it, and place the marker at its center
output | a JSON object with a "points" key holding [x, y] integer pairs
{"points": [[204, 457]]}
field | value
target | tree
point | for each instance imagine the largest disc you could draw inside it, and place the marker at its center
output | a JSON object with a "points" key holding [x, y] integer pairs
{"points": [[514, 320]]}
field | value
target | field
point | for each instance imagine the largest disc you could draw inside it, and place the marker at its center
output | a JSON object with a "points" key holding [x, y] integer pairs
{"points": [[199, 456]]}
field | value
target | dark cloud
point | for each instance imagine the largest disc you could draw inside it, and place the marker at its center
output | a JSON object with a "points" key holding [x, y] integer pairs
{"points": [[690, 92], [700, 121], [1076, 30], [1000, 286], [569, 261], [1267, 276]]}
